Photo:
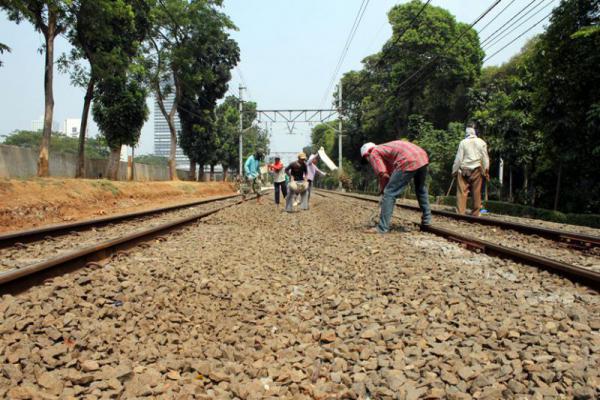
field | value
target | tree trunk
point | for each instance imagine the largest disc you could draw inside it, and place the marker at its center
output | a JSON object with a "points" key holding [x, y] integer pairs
{"points": [[112, 168], [87, 101], [201, 172], [212, 173], [557, 193], [192, 171], [225, 169], [43, 169]]}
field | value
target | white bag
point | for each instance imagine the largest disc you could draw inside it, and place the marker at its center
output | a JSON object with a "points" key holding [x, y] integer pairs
{"points": [[330, 164]]}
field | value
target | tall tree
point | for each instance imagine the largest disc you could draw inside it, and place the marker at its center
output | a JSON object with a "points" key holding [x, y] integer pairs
{"points": [[50, 18], [3, 49], [567, 100], [207, 54], [107, 35], [120, 111], [379, 99]]}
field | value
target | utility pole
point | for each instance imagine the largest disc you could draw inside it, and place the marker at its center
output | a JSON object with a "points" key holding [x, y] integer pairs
{"points": [[240, 170], [340, 131]]}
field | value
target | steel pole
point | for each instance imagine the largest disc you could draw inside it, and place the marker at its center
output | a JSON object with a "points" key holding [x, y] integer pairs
{"points": [[240, 170], [340, 132]]}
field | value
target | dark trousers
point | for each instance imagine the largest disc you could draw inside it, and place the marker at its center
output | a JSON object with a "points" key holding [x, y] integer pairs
{"points": [[283, 187]]}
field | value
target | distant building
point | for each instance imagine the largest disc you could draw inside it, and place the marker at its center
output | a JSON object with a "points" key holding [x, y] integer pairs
{"points": [[162, 135], [71, 127], [38, 125]]}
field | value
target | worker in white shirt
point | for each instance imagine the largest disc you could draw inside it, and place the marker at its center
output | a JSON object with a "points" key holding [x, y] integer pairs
{"points": [[471, 164]]}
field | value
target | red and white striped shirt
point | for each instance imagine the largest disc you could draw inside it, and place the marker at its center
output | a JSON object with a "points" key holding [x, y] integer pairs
{"points": [[398, 155]]}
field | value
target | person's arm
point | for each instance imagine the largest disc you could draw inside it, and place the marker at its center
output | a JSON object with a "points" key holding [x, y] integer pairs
{"points": [[458, 159], [485, 158], [380, 170], [305, 173], [319, 171], [288, 171], [247, 167]]}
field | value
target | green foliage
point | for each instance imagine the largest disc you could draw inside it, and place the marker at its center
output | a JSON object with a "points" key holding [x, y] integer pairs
{"points": [[323, 135], [376, 102], [567, 99], [3, 49], [120, 109], [206, 54], [151, 159], [227, 132], [61, 144]]}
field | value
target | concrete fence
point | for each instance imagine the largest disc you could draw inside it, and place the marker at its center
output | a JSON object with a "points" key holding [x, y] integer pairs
{"points": [[21, 162]]}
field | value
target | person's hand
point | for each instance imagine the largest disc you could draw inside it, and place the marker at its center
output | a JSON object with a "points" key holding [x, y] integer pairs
{"points": [[487, 174]]}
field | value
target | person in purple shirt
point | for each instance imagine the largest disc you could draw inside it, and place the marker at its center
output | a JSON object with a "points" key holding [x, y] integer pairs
{"points": [[312, 170]]}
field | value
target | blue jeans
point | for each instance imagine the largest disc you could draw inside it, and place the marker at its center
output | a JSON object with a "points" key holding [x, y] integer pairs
{"points": [[394, 189]]}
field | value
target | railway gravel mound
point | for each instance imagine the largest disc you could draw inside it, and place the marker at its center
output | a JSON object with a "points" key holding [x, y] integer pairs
{"points": [[254, 303]]}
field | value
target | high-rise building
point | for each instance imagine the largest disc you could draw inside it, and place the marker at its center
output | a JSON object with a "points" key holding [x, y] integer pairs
{"points": [[38, 125], [162, 135], [71, 127]]}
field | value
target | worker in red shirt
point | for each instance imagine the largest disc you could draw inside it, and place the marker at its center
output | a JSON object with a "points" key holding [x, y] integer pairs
{"points": [[395, 164]]}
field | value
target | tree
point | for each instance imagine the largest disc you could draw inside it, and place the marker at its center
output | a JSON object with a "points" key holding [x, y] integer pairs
{"points": [[379, 99], [567, 99], [151, 159], [96, 148], [50, 18], [120, 111], [207, 54], [171, 19], [107, 35], [3, 49]]}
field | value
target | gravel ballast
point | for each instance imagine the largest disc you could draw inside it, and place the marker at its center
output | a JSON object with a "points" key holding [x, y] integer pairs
{"points": [[255, 303]]}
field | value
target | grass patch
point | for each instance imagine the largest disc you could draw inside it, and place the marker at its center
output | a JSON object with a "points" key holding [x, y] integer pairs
{"points": [[106, 185]]}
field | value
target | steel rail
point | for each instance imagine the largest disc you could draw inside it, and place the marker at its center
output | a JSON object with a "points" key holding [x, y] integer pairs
{"points": [[583, 275], [87, 252], [578, 240], [30, 235]]}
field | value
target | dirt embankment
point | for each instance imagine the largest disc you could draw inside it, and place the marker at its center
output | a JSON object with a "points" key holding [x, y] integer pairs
{"points": [[36, 202]]}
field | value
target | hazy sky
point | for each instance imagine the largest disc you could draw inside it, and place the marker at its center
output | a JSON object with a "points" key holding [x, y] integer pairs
{"points": [[289, 49]]}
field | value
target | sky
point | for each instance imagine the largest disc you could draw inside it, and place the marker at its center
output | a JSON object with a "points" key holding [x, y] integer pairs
{"points": [[289, 50]]}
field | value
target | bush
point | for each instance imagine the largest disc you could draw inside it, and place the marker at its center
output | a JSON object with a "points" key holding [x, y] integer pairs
{"points": [[518, 210]]}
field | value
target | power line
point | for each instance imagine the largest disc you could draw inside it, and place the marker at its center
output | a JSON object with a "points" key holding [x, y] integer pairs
{"points": [[421, 70], [357, 20], [398, 38], [497, 15], [495, 41], [518, 37], [507, 22]]}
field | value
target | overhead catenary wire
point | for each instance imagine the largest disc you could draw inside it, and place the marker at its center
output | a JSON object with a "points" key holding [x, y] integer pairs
{"points": [[493, 34], [500, 38], [518, 37], [421, 71], [357, 20], [385, 50], [497, 15]]}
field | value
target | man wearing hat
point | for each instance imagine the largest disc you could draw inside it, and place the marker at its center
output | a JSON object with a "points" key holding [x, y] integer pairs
{"points": [[297, 171], [396, 164], [471, 164], [252, 172]]}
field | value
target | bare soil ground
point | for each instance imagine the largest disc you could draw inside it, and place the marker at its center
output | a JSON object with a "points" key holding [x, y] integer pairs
{"points": [[37, 202]]}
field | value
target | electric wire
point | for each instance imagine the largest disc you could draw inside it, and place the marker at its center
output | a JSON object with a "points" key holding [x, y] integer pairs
{"points": [[518, 37], [421, 71], [385, 50], [497, 15], [499, 39], [357, 20], [493, 35]]}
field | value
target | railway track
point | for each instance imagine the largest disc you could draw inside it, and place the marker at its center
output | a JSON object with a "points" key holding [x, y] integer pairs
{"points": [[494, 241], [69, 246]]}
